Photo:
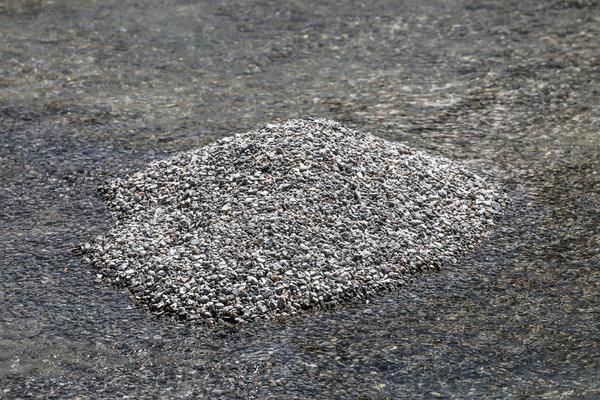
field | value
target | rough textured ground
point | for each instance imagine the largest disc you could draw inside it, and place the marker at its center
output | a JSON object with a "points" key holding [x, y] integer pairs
{"points": [[91, 91]]}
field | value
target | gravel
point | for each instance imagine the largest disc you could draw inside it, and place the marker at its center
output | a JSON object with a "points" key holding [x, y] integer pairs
{"points": [[300, 215]]}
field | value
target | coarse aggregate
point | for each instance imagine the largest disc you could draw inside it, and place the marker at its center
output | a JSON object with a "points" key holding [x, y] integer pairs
{"points": [[96, 90], [299, 215]]}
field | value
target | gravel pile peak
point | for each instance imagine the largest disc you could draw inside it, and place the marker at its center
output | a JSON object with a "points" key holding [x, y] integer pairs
{"points": [[298, 215]]}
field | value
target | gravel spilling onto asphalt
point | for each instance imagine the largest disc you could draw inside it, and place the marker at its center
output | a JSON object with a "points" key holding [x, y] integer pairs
{"points": [[303, 214]]}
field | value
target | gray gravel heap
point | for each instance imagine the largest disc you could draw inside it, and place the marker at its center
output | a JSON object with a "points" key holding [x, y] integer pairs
{"points": [[303, 214]]}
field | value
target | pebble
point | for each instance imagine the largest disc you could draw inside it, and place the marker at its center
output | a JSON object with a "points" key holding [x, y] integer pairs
{"points": [[294, 216]]}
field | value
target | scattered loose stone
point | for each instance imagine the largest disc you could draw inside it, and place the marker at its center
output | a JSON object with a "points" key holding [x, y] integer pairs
{"points": [[303, 214]]}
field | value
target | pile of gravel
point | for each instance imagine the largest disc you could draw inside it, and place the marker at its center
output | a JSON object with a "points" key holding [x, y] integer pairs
{"points": [[303, 214]]}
